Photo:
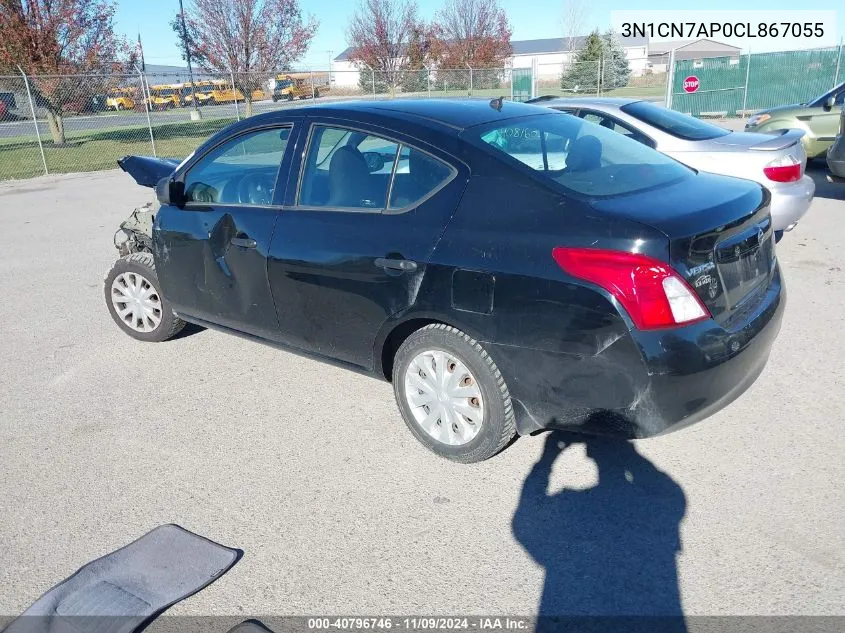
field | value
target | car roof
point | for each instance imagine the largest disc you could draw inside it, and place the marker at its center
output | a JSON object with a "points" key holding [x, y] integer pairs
{"points": [[457, 114], [584, 102]]}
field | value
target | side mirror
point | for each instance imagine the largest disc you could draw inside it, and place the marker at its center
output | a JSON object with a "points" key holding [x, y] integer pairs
{"points": [[829, 103], [170, 192]]}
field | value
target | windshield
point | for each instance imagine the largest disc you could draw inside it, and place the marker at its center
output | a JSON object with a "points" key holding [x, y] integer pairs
{"points": [[584, 158], [672, 122]]}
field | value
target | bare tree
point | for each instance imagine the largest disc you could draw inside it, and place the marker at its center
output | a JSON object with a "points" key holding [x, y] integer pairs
{"points": [[54, 38], [471, 32], [248, 38], [380, 31], [572, 23]]}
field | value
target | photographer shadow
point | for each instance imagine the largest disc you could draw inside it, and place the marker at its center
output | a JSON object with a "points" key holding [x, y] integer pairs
{"points": [[608, 551]]}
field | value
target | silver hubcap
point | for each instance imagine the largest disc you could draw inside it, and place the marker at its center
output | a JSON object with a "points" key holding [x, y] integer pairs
{"points": [[136, 302], [444, 397]]}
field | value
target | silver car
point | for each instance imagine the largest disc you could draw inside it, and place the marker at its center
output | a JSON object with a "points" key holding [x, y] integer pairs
{"points": [[776, 161]]}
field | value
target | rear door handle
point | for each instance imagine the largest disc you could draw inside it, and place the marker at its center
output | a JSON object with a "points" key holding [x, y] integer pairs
{"points": [[396, 264], [245, 242]]}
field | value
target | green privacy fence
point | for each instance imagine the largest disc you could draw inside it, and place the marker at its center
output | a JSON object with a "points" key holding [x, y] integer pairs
{"points": [[733, 86]]}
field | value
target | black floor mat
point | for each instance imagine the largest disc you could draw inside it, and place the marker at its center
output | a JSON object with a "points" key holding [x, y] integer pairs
{"points": [[123, 591]]}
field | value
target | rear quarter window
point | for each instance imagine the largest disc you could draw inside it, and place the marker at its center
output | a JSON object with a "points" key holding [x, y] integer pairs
{"points": [[671, 122]]}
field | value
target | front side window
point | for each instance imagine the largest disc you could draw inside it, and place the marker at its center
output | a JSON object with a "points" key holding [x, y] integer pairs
{"points": [[242, 170], [347, 168], [585, 158]]}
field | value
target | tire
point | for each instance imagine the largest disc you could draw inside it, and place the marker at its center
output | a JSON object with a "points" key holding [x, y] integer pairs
{"points": [[290, 96], [135, 266], [316, 93], [120, 106], [211, 101], [497, 422]]}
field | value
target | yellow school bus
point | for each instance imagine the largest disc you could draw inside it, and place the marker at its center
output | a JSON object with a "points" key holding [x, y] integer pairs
{"points": [[165, 96], [222, 92], [120, 99], [292, 86]]}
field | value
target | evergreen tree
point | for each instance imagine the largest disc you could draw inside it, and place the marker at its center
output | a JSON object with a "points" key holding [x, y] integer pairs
{"points": [[582, 74], [615, 69], [365, 81]]}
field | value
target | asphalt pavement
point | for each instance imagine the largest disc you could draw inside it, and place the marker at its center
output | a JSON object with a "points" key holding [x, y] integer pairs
{"points": [[310, 470]]}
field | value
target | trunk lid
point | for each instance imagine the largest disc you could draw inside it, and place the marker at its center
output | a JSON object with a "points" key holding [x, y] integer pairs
{"points": [[720, 236]]}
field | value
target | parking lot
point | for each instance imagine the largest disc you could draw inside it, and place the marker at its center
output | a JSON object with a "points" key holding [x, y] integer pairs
{"points": [[310, 470]]}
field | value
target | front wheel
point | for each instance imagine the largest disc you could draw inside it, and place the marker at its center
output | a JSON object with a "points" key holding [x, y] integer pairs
{"points": [[452, 395], [134, 299]]}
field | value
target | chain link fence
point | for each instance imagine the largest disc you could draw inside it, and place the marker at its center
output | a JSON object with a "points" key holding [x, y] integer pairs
{"points": [[58, 124], [738, 86], [602, 78]]}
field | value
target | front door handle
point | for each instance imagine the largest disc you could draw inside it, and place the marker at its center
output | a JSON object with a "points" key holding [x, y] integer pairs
{"points": [[396, 264], [245, 242]]}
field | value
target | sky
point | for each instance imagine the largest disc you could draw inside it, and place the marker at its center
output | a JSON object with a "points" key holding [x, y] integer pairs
{"points": [[529, 19]]}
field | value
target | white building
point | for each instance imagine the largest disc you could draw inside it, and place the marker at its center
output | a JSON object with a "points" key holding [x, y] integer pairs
{"points": [[551, 54], [548, 54], [698, 50]]}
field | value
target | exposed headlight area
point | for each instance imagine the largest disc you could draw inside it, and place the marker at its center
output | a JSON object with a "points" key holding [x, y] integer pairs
{"points": [[121, 236]]}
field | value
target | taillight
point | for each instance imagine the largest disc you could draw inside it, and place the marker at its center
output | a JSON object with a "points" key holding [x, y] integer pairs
{"points": [[784, 169], [653, 294]]}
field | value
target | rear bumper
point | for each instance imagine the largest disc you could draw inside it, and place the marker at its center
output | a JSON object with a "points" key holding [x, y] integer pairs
{"points": [[646, 383], [790, 201]]}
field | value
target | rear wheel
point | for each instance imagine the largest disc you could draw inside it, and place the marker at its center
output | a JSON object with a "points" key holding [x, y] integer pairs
{"points": [[290, 96], [135, 302], [451, 394], [120, 106]]}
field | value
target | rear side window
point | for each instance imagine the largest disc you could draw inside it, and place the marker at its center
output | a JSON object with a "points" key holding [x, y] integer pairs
{"points": [[351, 169], [585, 158], [347, 169], [418, 175], [672, 122], [611, 123]]}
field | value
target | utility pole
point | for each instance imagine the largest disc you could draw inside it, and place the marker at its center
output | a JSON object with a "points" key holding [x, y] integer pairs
{"points": [[196, 113]]}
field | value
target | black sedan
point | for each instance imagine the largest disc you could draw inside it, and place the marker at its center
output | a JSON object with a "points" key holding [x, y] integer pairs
{"points": [[507, 267]]}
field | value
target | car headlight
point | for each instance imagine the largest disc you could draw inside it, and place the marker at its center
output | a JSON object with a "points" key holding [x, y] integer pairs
{"points": [[757, 119], [121, 237]]}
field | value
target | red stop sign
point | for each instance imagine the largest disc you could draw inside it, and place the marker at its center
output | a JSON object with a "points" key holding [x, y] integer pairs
{"points": [[691, 84]]}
